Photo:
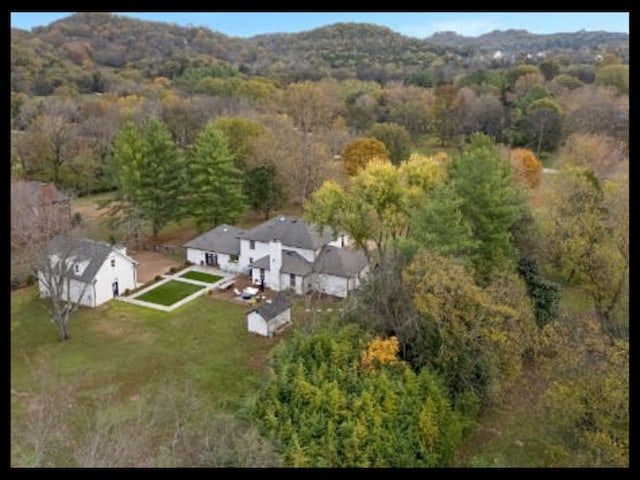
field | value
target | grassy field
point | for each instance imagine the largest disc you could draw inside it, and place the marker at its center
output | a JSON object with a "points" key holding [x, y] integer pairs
{"points": [[201, 276], [169, 293], [132, 347], [131, 351]]}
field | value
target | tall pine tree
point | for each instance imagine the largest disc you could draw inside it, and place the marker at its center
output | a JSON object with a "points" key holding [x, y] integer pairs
{"points": [[150, 173], [491, 203], [163, 177], [215, 188]]}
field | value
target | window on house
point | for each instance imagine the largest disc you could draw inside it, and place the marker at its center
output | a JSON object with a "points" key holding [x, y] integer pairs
{"points": [[250, 260], [252, 244], [292, 280], [233, 258], [113, 262], [77, 268]]}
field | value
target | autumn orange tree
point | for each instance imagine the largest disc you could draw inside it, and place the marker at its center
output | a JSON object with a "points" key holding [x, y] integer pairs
{"points": [[380, 351], [358, 153], [526, 167]]}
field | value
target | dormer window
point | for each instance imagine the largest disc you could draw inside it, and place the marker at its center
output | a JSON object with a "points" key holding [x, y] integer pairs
{"points": [[252, 244]]}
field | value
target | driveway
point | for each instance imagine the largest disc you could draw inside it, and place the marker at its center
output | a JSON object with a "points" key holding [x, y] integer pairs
{"points": [[152, 264]]}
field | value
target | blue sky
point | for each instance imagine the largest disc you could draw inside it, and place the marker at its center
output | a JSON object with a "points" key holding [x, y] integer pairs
{"points": [[415, 24]]}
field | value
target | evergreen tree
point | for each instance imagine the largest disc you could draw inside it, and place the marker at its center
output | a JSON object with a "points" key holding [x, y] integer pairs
{"points": [[215, 195], [262, 189], [491, 203], [162, 179], [150, 173]]}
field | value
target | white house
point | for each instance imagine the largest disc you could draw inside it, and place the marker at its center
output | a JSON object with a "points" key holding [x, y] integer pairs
{"points": [[284, 253], [270, 317], [219, 248], [89, 272]]}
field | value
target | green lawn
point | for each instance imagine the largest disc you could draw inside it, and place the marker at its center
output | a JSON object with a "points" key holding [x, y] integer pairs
{"points": [[169, 293], [201, 277], [131, 351]]}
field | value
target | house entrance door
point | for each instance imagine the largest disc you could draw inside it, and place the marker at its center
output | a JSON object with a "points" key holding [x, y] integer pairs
{"points": [[211, 259], [115, 289]]}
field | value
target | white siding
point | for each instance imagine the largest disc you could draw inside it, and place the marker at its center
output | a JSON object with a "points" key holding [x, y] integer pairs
{"points": [[255, 277], [285, 283], [261, 250], [124, 273], [76, 287], [101, 289], [226, 265], [257, 324], [195, 256], [331, 285], [198, 257], [308, 255], [301, 282]]}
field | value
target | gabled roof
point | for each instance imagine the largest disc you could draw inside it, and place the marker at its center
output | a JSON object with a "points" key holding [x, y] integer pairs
{"points": [[269, 311], [222, 239], [291, 232], [339, 262], [292, 262], [81, 250]]}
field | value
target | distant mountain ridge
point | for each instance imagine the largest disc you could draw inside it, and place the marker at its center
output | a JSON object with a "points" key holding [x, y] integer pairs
{"points": [[517, 39], [85, 41]]}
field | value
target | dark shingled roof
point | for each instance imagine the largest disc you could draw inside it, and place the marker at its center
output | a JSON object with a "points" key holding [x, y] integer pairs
{"points": [[79, 250], [222, 239], [339, 262], [292, 262], [291, 232], [269, 311]]}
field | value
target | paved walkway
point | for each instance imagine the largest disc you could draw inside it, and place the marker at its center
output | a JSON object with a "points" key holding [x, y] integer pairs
{"points": [[176, 276]]}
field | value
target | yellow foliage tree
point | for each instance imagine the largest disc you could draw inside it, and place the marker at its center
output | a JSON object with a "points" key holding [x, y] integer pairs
{"points": [[161, 81], [357, 154], [380, 351], [421, 174], [526, 167]]}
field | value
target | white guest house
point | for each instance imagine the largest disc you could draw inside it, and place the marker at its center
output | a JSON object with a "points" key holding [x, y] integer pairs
{"points": [[89, 272]]}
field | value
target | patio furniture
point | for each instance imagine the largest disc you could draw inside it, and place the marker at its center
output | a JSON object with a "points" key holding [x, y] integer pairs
{"points": [[249, 292]]}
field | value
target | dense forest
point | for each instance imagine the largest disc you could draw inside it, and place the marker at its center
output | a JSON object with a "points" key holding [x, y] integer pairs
{"points": [[432, 155]]}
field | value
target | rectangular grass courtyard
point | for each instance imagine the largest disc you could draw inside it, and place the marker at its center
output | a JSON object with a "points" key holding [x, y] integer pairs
{"points": [[169, 293], [201, 276]]}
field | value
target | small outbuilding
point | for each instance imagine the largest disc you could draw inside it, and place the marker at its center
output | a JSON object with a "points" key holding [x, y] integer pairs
{"points": [[270, 317]]}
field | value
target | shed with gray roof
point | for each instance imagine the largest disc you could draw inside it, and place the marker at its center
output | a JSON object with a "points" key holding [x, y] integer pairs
{"points": [[270, 317]]}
